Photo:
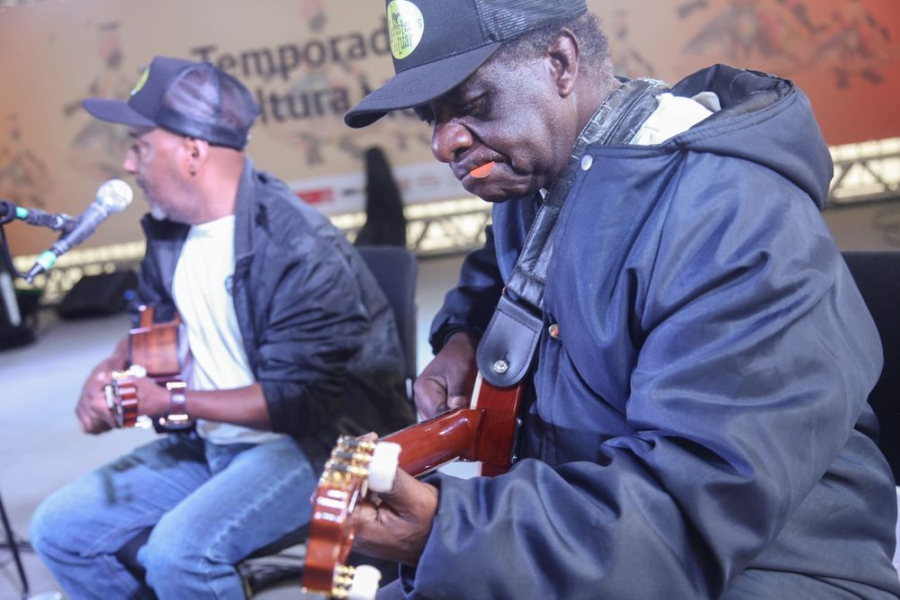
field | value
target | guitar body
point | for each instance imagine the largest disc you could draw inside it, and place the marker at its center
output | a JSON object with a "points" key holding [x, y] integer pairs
{"points": [[483, 432], [153, 351], [154, 346]]}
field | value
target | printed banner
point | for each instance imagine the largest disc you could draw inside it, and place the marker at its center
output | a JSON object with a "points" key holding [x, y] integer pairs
{"points": [[307, 62]]}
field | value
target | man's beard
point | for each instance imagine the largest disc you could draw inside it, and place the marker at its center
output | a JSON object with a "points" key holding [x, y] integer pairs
{"points": [[157, 213]]}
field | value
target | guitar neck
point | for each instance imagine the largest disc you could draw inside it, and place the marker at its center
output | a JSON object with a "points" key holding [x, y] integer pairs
{"points": [[432, 443], [484, 432]]}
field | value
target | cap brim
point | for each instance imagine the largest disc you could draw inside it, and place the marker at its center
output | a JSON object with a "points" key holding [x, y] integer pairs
{"points": [[418, 85], [116, 111]]}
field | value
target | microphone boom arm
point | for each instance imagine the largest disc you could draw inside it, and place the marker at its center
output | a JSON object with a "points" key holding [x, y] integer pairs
{"points": [[10, 212]]}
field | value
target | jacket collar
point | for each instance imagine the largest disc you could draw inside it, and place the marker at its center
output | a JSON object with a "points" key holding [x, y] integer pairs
{"points": [[170, 236], [244, 213]]}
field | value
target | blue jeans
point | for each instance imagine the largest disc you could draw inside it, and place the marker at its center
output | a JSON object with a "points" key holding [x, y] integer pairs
{"points": [[209, 506]]}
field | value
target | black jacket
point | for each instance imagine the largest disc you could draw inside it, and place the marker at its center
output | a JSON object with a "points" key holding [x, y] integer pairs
{"points": [[318, 332]]}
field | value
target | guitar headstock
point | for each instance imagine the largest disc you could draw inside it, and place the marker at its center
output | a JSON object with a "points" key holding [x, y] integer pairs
{"points": [[122, 402], [348, 467], [355, 466], [121, 396]]}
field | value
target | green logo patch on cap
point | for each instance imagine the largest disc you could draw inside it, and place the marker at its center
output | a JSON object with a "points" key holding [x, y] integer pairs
{"points": [[405, 27], [141, 81]]}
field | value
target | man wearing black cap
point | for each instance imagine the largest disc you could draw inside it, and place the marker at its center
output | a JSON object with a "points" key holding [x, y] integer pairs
{"points": [[658, 275], [291, 344]]}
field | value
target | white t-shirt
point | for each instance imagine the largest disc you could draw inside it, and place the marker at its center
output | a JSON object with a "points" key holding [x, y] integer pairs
{"points": [[202, 292]]}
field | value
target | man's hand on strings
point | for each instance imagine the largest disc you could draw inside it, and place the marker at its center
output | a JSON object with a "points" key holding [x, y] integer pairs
{"points": [[447, 382], [92, 410]]}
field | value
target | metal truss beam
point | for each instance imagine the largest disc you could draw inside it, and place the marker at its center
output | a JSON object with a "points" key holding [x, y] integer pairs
{"points": [[868, 172]]}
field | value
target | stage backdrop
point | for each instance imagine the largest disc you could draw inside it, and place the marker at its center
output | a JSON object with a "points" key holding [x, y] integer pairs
{"points": [[308, 61]]}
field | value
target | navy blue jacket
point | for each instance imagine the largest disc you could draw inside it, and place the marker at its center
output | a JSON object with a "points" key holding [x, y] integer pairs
{"points": [[700, 427], [319, 334]]}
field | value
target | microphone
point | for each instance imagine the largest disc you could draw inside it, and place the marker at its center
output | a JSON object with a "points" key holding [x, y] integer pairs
{"points": [[113, 196]]}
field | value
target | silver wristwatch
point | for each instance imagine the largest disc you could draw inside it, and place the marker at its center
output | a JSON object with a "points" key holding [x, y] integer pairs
{"points": [[177, 401]]}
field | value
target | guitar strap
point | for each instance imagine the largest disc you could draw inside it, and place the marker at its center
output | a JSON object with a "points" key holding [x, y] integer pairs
{"points": [[506, 351]]}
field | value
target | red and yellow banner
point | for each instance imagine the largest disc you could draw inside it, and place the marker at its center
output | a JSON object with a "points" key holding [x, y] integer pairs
{"points": [[308, 61]]}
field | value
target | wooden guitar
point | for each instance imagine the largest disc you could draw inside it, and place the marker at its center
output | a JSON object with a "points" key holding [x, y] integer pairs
{"points": [[153, 351], [483, 432]]}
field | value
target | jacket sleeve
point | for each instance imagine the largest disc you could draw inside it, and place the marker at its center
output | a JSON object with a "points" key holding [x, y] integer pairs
{"points": [[315, 322], [469, 306], [755, 359]]}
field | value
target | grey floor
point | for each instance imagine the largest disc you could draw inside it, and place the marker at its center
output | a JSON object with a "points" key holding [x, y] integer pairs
{"points": [[41, 446]]}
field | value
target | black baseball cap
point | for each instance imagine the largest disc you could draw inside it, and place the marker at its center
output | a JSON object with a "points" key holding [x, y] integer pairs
{"points": [[186, 97], [438, 44]]}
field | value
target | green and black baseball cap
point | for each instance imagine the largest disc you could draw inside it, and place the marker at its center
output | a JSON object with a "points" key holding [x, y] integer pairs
{"points": [[438, 44]]}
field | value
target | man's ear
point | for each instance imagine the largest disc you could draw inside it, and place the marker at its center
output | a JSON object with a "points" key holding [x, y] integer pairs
{"points": [[564, 54], [197, 151]]}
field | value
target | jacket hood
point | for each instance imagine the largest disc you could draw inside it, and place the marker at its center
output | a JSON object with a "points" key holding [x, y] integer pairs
{"points": [[764, 119]]}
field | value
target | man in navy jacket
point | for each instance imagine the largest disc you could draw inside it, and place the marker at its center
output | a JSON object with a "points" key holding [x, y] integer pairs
{"points": [[698, 424]]}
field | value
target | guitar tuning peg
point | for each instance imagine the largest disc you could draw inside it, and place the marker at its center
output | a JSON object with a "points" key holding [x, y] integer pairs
{"points": [[365, 583], [137, 371], [383, 466], [355, 583]]}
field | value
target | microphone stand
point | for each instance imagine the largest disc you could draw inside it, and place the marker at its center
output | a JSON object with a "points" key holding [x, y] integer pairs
{"points": [[8, 214], [33, 216], [7, 211], [14, 548]]}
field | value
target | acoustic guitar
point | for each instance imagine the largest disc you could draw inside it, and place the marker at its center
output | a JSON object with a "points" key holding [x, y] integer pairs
{"points": [[483, 432], [153, 351]]}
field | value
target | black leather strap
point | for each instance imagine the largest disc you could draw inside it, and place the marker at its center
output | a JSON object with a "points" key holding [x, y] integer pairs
{"points": [[506, 351]]}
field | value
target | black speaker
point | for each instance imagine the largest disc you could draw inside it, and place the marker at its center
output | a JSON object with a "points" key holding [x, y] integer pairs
{"points": [[98, 295]]}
